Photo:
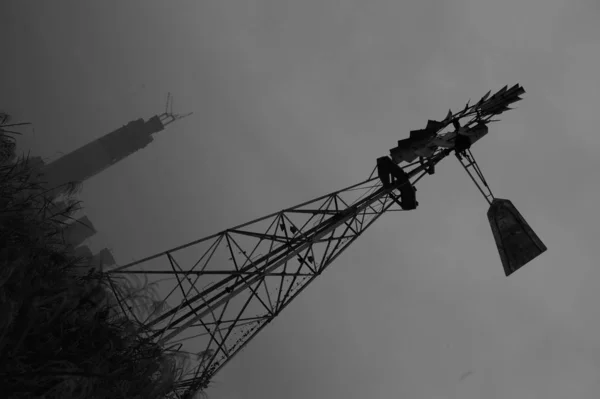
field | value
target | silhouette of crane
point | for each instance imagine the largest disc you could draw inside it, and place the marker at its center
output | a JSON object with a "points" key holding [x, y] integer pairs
{"points": [[225, 288]]}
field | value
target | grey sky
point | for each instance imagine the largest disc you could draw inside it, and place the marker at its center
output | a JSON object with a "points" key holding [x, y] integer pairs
{"points": [[302, 97]]}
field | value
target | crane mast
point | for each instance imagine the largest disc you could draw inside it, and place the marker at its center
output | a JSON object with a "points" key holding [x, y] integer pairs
{"points": [[222, 290]]}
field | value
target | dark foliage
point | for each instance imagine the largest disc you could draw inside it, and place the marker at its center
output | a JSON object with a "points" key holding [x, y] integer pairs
{"points": [[63, 333]]}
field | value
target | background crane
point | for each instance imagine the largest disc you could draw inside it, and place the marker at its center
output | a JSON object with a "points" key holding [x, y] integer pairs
{"points": [[222, 290]]}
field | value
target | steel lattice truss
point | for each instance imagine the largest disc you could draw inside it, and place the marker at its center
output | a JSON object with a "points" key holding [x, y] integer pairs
{"points": [[220, 291], [225, 288]]}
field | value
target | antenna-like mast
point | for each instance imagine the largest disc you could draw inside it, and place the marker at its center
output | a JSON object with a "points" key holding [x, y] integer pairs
{"points": [[169, 116]]}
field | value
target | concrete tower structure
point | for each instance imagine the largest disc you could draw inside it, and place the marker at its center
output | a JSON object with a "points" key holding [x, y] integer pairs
{"points": [[95, 157], [100, 154]]}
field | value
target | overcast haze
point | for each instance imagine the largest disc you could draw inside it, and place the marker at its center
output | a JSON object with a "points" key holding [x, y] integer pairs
{"points": [[299, 98]]}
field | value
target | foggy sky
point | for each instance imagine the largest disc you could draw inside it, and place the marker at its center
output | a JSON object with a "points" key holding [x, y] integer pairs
{"points": [[300, 98]]}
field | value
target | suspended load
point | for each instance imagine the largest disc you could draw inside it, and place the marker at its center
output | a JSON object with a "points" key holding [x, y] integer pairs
{"points": [[516, 241]]}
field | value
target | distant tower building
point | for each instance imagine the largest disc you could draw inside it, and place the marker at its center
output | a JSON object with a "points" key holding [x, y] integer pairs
{"points": [[93, 158], [69, 171]]}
